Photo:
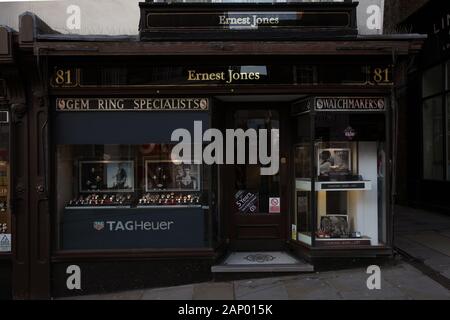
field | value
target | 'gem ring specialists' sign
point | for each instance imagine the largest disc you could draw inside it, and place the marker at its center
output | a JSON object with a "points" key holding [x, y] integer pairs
{"points": [[132, 104]]}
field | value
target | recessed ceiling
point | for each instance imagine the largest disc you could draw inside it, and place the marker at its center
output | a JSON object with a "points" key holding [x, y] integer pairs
{"points": [[259, 98]]}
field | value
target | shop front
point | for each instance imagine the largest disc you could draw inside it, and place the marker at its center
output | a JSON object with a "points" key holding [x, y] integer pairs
{"points": [[5, 193], [426, 179], [105, 117]]}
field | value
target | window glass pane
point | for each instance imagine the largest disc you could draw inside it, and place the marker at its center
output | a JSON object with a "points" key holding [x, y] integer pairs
{"points": [[302, 216], [350, 188], [432, 81], [302, 226], [128, 197], [249, 183], [433, 139]]}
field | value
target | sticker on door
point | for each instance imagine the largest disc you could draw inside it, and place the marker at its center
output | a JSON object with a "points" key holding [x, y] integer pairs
{"points": [[274, 205]]}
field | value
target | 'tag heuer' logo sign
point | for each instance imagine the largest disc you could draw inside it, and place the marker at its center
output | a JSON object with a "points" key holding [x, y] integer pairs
{"points": [[132, 225]]}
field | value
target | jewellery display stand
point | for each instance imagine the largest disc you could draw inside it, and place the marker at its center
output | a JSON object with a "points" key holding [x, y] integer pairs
{"points": [[356, 222]]}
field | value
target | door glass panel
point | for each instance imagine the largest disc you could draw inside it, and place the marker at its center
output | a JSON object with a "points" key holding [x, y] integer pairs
{"points": [[253, 192]]}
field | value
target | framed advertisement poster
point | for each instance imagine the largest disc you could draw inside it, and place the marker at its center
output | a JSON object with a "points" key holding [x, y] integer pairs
{"points": [[106, 176], [334, 161], [164, 175]]}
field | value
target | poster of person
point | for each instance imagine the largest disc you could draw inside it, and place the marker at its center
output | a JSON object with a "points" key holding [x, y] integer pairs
{"points": [[106, 176], [335, 226], [187, 177], [120, 176], [165, 175], [92, 176], [334, 161]]}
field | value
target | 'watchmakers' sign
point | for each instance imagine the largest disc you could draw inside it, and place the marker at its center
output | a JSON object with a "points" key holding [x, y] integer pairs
{"points": [[132, 104], [349, 104]]}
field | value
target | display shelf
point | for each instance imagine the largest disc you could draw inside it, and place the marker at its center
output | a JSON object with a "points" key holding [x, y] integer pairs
{"points": [[305, 238], [305, 185], [363, 241], [96, 207], [170, 207]]}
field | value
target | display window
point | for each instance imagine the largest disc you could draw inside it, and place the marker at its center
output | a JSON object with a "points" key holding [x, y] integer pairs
{"points": [[5, 208], [340, 180], [128, 196]]}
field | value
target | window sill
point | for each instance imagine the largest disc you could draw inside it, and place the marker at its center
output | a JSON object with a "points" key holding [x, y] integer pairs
{"points": [[137, 254]]}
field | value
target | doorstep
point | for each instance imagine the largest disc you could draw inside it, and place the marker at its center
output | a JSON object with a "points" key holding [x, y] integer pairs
{"points": [[256, 262]]}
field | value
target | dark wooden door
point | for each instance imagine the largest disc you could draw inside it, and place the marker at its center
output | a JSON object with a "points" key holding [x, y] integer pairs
{"points": [[255, 202]]}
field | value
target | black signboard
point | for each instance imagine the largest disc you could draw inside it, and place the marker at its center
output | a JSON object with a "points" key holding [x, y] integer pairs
{"points": [[343, 186], [162, 21], [133, 228], [246, 20], [195, 75], [301, 106]]}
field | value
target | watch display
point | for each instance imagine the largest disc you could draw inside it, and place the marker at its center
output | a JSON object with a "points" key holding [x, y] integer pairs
{"points": [[172, 198], [102, 200]]}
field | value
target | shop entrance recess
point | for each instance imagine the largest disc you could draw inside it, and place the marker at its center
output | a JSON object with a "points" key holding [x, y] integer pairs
{"points": [[256, 205]]}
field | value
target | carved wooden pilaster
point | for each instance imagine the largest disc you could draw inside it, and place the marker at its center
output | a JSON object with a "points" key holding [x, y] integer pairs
{"points": [[20, 206]]}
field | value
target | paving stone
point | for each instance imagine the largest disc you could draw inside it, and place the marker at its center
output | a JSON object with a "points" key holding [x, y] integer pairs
{"points": [[434, 241], [387, 292], [127, 295], [416, 250], [311, 289], [445, 232], [446, 273], [172, 293], [213, 291], [260, 289], [420, 288], [349, 282], [439, 264]]}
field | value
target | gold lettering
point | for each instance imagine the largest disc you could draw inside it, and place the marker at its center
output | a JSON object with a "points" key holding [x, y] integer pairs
{"points": [[192, 75]]}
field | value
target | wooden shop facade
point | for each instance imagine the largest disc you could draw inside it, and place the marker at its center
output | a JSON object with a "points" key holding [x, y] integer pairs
{"points": [[87, 177]]}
